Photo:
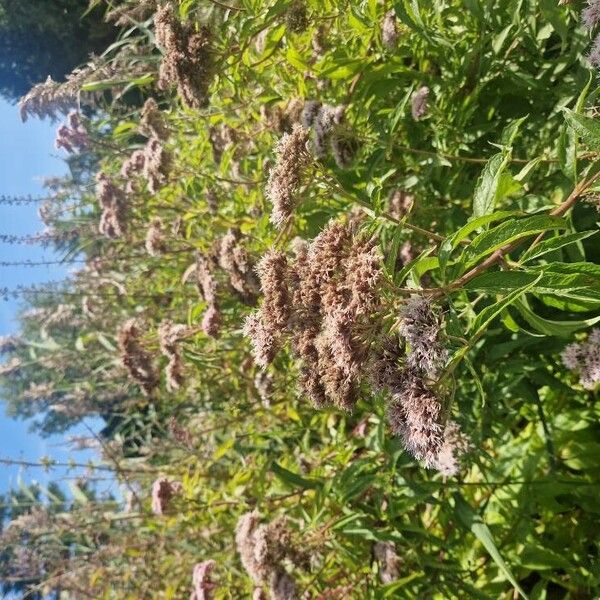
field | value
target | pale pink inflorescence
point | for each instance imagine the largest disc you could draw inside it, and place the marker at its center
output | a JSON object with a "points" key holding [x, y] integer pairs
{"points": [[590, 15], [72, 135], [420, 328], [419, 103], [320, 302], [415, 412], [388, 560], [284, 179], [263, 548], [135, 358], [329, 131], [201, 580], [163, 491], [584, 359], [389, 30], [111, 200]]}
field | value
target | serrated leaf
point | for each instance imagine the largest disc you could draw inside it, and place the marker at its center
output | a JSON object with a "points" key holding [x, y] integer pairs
{"points": [[554, 244], [587, 128], [484, 197], [489, 241]]}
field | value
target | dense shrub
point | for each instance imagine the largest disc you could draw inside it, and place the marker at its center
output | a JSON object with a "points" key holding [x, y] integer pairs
{"points": [[338, 303]]}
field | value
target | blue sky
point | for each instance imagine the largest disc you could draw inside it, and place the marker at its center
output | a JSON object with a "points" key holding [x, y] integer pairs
{"points": [[27, 155]]}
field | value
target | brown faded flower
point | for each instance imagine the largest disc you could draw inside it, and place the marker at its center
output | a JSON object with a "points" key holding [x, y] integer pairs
{"points": [[419, 103], [135, 359], [157, 164], [155, 237], [389, 562], [203, 586], [262, 548], [286, 176], [163, 491], [112, 203], [152, 121], [389, 30], [187, 62]]}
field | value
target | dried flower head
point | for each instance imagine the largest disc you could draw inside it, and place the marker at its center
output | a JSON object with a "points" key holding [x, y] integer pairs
{"points": [[157, 164], [296, 16], [169, 338], [285, 177], [155, 237], [163, 491], [389, 30], [133, 166], [419, 103], [152, 121], [415, 415], [263, 548], [321, 303], [188, 62], [389, 562], [234, 259], [112, 202], [135, 359], [272, 271], [203, 586]]}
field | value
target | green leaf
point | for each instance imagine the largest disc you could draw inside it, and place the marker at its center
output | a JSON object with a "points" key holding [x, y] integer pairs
{"points": [[586, 127], [554, 244], [489, 313], [484, 197], [293, 479], [554, 328], [489, 241], [539, 558], [473, 522]]}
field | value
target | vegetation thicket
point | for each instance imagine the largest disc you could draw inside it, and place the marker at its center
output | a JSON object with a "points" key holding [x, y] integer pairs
{"points": [[336, 298]]}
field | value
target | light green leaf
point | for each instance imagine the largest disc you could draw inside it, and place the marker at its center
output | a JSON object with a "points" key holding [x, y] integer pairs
{"points": [[586, 127], [554, 244], [472, 521], [488, 241], [484, 198], [553, 328], [489, 313]]}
